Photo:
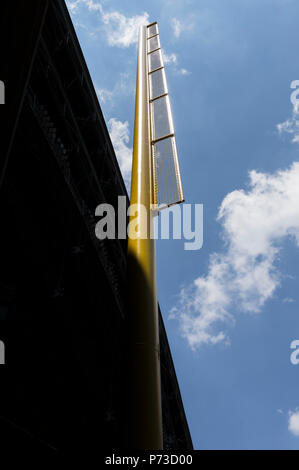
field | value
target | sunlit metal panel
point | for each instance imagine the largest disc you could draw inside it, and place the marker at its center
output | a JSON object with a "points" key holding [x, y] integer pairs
{"points": [[166, 179]]}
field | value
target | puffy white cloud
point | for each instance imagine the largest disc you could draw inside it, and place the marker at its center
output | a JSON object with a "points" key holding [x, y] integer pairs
{"points": [[172, 59], [119, 134], [104, 94], [93, 5], [121, 30], [73, 5], [169, 58], [244, 275], [291, 125], [294, 422]]}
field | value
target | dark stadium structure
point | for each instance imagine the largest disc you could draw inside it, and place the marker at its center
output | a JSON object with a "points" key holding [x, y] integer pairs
{"points": [[62, 290]]}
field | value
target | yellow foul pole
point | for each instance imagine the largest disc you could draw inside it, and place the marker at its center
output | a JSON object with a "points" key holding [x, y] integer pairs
{"points": [[144, 417]]}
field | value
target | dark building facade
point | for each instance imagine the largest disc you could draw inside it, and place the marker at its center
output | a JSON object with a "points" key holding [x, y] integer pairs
{"points": [[62, 291]]}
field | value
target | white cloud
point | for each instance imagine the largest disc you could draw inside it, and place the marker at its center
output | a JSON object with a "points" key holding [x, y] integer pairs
{"points": [[120, 30], [73, 6], [125, 85], [93, 5], [288, 300], [184, 72], [177, 27], [119, 134], [291, 125], [245, 275], [104, 94], [169, 58], [294, 422]]}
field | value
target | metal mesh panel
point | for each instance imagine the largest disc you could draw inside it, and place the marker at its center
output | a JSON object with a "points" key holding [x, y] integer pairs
{"points": [[161, 118], [152, 30], [157, 84], [168, 183], [166, 178], [153, 43], [155, 60]]}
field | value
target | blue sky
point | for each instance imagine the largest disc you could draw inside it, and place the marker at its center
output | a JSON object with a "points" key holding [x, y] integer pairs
{"points": [[230, 308]]}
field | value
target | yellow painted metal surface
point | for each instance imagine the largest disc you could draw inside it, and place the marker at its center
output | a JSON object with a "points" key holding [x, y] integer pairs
{"points": [[144, 409]]}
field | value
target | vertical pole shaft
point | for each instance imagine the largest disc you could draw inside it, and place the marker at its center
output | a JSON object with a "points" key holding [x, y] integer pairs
{"points": [[144, 430]]}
